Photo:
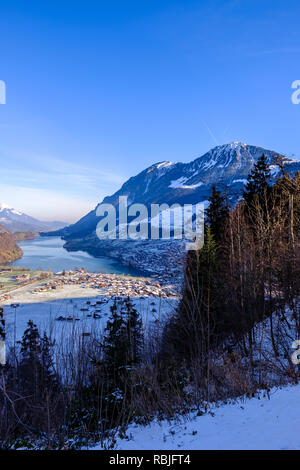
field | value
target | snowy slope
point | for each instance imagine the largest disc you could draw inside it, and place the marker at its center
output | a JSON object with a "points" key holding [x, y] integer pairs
{"points": [[257, 423], [45, 307]]}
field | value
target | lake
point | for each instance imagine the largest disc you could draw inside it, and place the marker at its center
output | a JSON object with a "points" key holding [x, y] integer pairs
{"points": [[48, 252]]}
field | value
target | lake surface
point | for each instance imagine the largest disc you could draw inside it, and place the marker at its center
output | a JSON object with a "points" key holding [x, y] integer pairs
{"points": [[48, 252]]}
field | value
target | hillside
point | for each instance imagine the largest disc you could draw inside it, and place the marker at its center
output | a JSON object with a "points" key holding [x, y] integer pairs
{"points": [[9, 250], [27, 235], [227, 166], [270, 421]]}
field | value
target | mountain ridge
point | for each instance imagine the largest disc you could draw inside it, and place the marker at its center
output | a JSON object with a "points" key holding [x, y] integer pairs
{"points": [[227, 166], [17, 221]]}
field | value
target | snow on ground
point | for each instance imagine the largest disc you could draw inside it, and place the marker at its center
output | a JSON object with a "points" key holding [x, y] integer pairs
{"points": [[45, 307], [244, 181], [179, 183], [256, 423]]}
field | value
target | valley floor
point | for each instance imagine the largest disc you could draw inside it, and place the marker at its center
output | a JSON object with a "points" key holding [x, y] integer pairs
{"points": [[249, 424], [83, 306]]}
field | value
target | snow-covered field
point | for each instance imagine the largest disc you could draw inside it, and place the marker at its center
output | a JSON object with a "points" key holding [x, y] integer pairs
{"points": [[44, 308], [256, 423]]}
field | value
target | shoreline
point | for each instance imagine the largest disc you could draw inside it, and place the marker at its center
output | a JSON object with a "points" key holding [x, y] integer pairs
{"points": [[44, 253], [83, 282], [109, 285], [162, 259]]}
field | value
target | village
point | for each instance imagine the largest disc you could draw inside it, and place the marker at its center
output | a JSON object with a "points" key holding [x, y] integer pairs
{"points": [[79, 296], [61, 300], [12, 278], [110, 285]]}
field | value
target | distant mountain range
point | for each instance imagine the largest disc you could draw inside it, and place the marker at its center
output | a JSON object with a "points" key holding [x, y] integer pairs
{"points": [[16, 221], [227, 166]]}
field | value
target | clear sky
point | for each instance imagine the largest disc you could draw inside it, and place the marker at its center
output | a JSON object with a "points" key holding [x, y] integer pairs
{"points": [[97, 91]]}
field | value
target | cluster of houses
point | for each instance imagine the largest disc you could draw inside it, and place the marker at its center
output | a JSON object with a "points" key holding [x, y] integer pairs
{"points": [[110, 284], [22, 277]]}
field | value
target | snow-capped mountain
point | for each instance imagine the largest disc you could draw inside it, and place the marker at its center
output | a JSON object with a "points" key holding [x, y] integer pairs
{"points": [[166, 182], [17, 221]]}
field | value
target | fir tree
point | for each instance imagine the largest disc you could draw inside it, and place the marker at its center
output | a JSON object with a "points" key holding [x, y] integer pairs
{"points": [[30, 344], [199, 318], [217, 213], [134, 333], [123, 341], [257, 181], [35, 371], [49, 378], [115, 343]]}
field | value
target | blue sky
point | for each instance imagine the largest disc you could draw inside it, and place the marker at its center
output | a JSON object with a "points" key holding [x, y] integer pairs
{"points": [[97, 91]]}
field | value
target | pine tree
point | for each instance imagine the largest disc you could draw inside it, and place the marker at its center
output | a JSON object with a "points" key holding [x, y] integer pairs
{"points": [[36, 371], [49, 377], [257, 181], [199, 321], [28, 370], [30, 344], [134, 333], [124, 338], [115, 343], [217, 213]]}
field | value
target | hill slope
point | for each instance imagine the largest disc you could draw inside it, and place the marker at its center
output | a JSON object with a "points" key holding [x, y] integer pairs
{"points": [[249, 424], [9, 250]]}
